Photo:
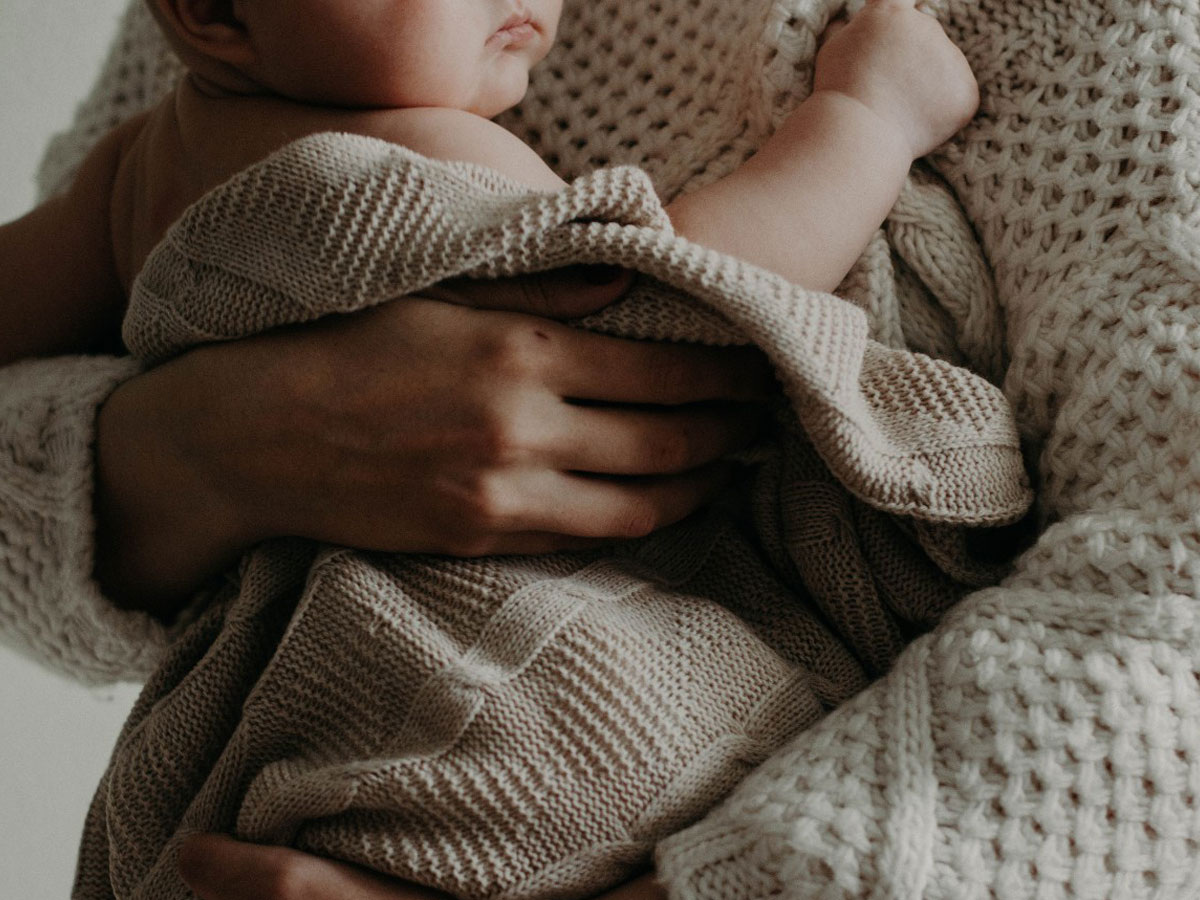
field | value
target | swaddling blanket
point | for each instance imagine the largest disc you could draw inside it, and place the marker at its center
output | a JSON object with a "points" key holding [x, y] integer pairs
{"points": [[532, 727], [1043, 741]]}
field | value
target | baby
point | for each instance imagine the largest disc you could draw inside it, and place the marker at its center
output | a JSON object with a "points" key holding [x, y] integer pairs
{"points": [[428, 74], [262, 73]]}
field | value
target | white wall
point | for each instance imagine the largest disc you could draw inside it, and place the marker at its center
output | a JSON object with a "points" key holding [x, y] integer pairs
{"points": [[55, 736]]}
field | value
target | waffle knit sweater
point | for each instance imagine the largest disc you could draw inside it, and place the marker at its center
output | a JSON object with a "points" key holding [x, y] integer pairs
{"points": [[1042, 741]]}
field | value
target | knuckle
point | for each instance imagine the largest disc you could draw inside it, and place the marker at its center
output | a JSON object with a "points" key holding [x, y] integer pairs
{"points": [[500, 437], [511, 352], [485, 506], [288, 878], [539, 298], [639, 520], [670, 451]]}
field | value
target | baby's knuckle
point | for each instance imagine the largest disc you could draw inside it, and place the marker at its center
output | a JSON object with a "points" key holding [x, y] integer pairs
{"points": [[540, 299]]}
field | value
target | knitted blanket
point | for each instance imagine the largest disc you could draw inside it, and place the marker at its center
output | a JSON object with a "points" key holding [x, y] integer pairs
{"points": [[1043, 740], [532, 727], [528, 727]]}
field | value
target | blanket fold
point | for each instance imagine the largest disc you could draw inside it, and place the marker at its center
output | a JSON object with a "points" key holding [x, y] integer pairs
{"points": [[525, 728], [1043, 740], [326, 225]]}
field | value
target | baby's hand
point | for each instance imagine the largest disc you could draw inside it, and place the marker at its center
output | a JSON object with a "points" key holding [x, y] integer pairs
{"points": [[899, 63]]}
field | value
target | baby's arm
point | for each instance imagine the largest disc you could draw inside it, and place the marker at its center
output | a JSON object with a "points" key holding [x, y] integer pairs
{"points": [[61, 293], [889, 87]]}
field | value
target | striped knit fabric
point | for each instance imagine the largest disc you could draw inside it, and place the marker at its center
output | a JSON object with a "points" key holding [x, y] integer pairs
{"points": [[531, 728], [1042, 741]]}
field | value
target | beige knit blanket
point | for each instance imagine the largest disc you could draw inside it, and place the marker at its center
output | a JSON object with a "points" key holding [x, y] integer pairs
{"points": [[530, 727], [533, 727], [1042, 741]]}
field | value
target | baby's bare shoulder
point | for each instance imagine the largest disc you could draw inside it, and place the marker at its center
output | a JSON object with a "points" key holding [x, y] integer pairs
{"points": [[224, 135], [455, 135]]}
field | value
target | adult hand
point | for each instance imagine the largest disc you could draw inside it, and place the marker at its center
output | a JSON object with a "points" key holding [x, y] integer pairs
{"points": [[419, 426], [216, 867]]}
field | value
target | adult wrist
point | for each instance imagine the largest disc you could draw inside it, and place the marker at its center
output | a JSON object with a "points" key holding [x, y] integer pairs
{"points": [[163, 525]]}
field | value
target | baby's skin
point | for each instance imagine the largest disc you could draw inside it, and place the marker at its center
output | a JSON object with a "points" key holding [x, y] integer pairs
{"points": [[889, 87]]}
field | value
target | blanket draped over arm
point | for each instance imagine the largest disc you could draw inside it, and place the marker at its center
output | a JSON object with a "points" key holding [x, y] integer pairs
{"points": [[1043, 740], [411, 709]]}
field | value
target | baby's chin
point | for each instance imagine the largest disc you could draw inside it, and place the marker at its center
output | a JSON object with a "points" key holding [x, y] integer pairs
{"points": [[501, 94]]}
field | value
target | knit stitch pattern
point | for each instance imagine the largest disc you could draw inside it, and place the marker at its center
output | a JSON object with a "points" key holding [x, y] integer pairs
{"points": [[1044, 740], [50, 607], [531, 728], [518, 728]]}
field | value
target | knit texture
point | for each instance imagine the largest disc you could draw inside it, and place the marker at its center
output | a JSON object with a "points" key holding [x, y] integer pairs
{"points": [[50, 607], [1044, 740], [531, 728]]}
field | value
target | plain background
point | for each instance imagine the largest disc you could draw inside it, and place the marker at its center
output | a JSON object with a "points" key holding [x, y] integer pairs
{"points": [[55, 736]]}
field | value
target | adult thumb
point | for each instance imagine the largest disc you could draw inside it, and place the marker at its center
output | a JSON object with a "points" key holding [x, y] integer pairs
{"points": [[217, 867], [558, 294]]}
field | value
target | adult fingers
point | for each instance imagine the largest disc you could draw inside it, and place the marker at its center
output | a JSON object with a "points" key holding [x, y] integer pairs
{"points": [[654, 441], [594, 367], [835, 25], [583, 365], [582, 506], [559, 294], [216, 867]]}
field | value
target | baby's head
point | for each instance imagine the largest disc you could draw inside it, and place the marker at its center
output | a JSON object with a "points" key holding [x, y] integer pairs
{"points": [[461, 54]]}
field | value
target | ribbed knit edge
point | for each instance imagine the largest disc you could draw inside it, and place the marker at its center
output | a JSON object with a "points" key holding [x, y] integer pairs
{"points": [[51, 608]]}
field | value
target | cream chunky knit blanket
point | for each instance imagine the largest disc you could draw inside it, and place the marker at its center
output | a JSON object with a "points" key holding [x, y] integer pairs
{"points": [[1043, 739], [531, 727]]}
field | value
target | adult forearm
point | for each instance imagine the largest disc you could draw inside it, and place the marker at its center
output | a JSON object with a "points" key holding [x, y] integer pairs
{"points": [[406, 429], [161, 531], [807, 203]]}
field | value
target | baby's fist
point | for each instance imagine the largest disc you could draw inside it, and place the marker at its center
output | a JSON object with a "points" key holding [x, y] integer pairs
{"points": [[899, 63]]}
